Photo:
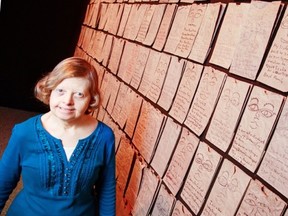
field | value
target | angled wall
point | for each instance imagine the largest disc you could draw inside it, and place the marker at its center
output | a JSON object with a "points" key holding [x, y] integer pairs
{"points": [[196, 94]]}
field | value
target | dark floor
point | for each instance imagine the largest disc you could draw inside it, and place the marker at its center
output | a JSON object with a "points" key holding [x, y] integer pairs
{"points": [[8, 118]]}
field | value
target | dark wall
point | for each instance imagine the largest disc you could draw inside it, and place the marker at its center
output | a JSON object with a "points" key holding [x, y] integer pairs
{"points": [[35, 36]]}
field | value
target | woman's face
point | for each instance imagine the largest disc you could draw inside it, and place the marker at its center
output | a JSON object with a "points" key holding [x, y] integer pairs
{"points": [[70, 99]]}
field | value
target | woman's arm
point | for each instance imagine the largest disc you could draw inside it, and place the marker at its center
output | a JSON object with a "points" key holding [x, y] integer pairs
{"points": [[10, 168], [107, 190]]}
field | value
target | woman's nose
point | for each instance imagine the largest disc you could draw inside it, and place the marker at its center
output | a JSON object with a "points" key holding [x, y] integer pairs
{"points": [[68, 99]]}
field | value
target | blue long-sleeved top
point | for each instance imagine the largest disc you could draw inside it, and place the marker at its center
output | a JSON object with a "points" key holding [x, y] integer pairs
{"points": [[52, 185]]}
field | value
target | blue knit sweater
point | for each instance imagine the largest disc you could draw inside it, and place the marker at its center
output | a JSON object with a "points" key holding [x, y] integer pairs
{"points": [[52, 185]]}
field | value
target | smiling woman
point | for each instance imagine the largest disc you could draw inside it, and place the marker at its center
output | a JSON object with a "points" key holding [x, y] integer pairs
{"points": [[66, 157], [71, 94]]}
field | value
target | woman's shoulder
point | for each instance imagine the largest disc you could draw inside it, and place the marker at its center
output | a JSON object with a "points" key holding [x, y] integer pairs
{"points": [[27, 124], [28, 121], [107, 135], [105, 128]]}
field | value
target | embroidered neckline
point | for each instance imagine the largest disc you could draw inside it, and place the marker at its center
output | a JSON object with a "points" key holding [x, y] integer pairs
{"points": [[56, 170]]}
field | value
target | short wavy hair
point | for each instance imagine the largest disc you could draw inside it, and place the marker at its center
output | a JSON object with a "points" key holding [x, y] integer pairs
{"points": [[68, 68]]}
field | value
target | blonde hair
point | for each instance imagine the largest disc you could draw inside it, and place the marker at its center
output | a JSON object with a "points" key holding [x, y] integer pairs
{"points": [[70, 67]]}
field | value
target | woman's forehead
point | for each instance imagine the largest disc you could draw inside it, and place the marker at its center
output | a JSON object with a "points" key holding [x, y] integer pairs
{"points": [[77, 83]]}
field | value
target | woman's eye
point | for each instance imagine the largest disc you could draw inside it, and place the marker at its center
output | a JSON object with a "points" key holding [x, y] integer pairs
{"points": [[59, 91], [79, 94]]}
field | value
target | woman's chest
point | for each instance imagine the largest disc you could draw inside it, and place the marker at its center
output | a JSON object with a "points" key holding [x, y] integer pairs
{"points": [[48, 167]]}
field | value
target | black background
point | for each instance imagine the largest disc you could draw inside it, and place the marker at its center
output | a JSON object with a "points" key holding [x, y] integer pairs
{"points": [[34, 37]]}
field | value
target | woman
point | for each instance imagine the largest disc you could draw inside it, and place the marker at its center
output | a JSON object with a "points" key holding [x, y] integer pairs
{"points": [[66, 158]]}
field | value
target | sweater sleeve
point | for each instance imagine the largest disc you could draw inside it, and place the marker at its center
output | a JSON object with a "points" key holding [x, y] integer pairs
{"points": [[10, 168], [107, 192]]}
